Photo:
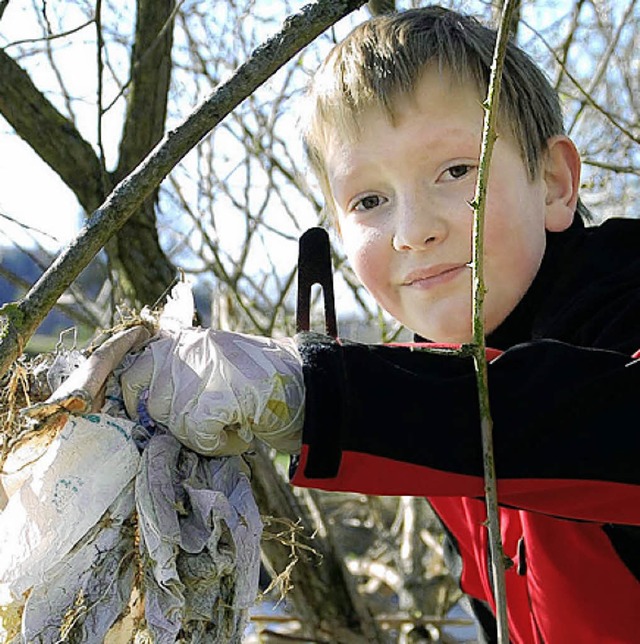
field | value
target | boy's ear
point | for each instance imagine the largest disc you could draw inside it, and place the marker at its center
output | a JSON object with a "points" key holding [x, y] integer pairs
{"points": [[561, 174]]}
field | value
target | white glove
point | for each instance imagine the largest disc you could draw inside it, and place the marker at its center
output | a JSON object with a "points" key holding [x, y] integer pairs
{"points": [[215, 390]]}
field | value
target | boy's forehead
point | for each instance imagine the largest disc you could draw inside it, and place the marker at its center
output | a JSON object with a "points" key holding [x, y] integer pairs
{"points": [[439, 88], [435, 93], [449, 111], [343, 106]]}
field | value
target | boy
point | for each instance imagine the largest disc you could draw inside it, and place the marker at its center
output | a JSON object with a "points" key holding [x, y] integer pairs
{"points": [[394, 135]]}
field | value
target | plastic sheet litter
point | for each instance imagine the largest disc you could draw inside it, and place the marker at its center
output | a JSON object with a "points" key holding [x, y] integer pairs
{"points": [[92, 526], [112, 532]]}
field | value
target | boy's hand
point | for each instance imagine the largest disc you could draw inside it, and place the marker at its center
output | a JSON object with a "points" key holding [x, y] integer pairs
{"points": [[215, 390]]}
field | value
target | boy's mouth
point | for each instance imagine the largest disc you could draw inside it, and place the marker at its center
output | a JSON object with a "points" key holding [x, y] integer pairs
{"points": [[434, 275]]}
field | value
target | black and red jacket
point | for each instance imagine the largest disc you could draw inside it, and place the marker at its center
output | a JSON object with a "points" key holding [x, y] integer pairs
{"points": [[565, 402]]}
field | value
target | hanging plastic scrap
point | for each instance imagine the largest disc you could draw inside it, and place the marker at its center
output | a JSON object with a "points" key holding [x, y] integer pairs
{"points": [[67, 538], [102, 541]]}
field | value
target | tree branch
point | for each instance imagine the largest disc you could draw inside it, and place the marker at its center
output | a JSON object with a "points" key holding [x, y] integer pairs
{"points": [[589, 99], [618, 169], [142, 267], [323, 594], [3, 5], [603, 63], [53, 136], [479, 346], [18, 321], [61, 34], [82, 316]]}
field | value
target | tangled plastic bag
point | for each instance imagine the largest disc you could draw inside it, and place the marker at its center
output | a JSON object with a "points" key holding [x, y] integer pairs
{"points": [[111, 533], [70, 486]]}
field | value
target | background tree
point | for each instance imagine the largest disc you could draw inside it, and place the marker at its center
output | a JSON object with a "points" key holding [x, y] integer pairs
{"points": [[91, 86]]}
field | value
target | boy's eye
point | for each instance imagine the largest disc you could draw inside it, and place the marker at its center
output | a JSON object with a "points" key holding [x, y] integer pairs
{"points": [[368, 203], [458, 171]]}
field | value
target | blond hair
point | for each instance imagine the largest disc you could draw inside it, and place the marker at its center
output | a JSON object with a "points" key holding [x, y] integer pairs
{"points": [[385, 57]]}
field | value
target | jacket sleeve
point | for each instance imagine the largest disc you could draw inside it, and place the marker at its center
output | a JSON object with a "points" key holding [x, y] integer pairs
{"points": [[396, 420]]}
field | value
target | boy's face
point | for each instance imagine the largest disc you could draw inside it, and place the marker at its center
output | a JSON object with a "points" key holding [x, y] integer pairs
{"points": [[402, 194]]}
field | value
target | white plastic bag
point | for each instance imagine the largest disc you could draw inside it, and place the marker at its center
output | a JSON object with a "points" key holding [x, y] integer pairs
{"points": [[68, 488], [99, 544]]}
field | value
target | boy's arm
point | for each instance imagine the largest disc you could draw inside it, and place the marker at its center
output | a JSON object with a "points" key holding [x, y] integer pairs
{"points": [[389, 420]]}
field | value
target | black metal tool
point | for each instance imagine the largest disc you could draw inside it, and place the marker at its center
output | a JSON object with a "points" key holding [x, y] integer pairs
{"points": [[314, 267]]}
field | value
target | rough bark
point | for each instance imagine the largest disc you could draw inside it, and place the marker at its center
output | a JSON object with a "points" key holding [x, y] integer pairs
{"points": [[143, 270]]}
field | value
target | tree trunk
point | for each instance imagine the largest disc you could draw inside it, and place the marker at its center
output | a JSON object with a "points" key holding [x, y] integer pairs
{"points": [[136, 250], [323, 591], [51, 135]]}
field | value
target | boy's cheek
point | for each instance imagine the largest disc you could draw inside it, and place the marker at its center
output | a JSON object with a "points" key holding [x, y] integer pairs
{"points": [[371, 267]]}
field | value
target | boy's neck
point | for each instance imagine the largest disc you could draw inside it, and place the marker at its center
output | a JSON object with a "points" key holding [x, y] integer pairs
{"points": [[519, 326]]}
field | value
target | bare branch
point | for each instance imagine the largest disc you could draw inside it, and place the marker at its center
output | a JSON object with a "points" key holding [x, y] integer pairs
{"points": [[589, 99], [143, 268], [619, 169], [27, 228], [135, 64], [53, 136], [46, 25], [3, 5], [19, 321], [61, 34], [82, 315], [99, 90], [566, 45], [310, 581], [602, 66], [479, 347]]}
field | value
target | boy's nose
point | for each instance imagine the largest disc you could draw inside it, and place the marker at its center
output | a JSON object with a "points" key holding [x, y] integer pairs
{"points": [[417, 230]]}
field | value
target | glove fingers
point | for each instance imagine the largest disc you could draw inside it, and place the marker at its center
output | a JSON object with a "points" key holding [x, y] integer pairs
{"points": [[285, 438], [214, 389], [134, 380], [151, 370], [212, 437]]}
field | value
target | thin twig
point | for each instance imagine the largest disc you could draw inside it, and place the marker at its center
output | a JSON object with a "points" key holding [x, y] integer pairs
{"points": [[62, 34], [603, 64], [479, 347], [589, 99], [395, 620], [46, 23], [139, 61], [99, 93], [3, 6], [46, 17], [28, 228], [85, 313], [618, 169], [564, 49]]}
